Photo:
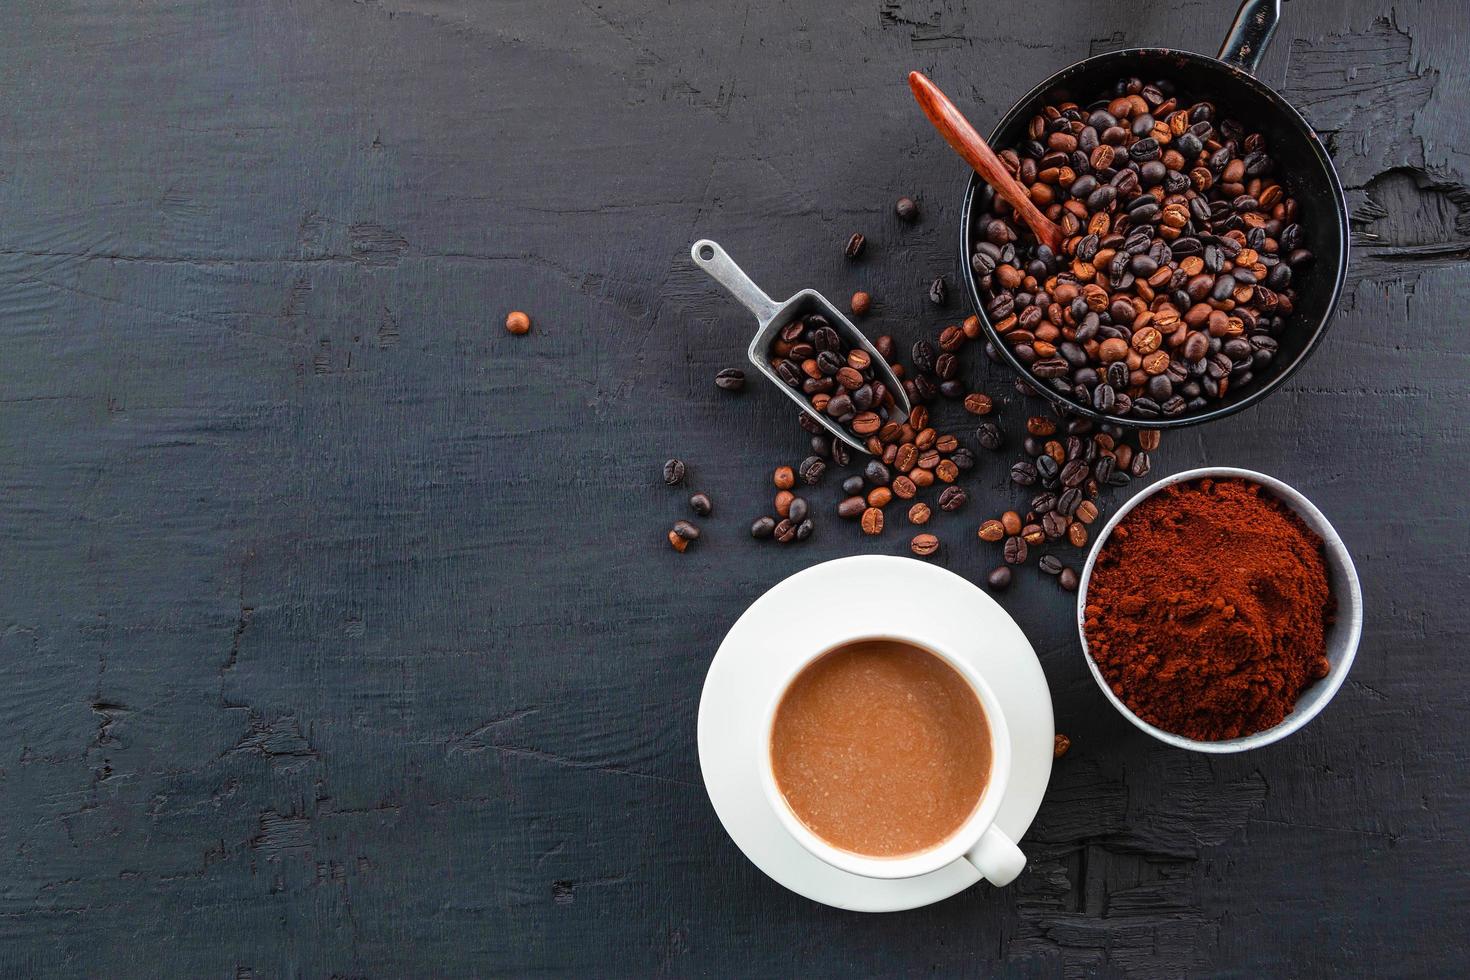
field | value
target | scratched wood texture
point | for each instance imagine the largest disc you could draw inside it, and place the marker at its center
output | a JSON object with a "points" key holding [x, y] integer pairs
{"points": [[338, 634]]}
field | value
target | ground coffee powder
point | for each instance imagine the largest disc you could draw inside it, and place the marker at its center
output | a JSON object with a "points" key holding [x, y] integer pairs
{"points": [[1208, 608]]}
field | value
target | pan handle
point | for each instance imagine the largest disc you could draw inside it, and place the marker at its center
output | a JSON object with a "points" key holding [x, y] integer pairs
{"points": [[1246, 43]]}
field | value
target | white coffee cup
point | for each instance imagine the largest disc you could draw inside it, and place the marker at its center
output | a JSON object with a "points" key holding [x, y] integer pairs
{"points": [[977, 840]]}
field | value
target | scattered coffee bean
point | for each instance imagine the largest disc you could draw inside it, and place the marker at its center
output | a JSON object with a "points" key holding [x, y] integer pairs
{"points": [[906, 209], [701, 504], [797, 510], [518, 323], [1068, 580], [674, 472], [686, 530], [861, 303], [784, 478], [924, 545], [855, 245], [989, 436], [919, 514], [730, 379], [1051, 564], [937, 291], [785, 531], [978, 403], [851, 508], [1060, 746], [992, 531], [804, 529], [762, 527], [953, 498], [677, 542], [872, 521], [999, 579], [1015, 551], [812, 469]]}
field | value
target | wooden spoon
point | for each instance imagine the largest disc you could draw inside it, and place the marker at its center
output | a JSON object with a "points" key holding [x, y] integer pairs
{"points": [[968, 143]]}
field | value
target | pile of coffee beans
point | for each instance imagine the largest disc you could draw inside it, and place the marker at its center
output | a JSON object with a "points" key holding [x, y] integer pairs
{"points": [[1071, 462], [836, 376], [1175, 278]]}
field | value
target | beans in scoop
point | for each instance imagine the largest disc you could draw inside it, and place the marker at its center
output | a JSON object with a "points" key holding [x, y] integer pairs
{"points": [[1181, 246], [837, 377]]}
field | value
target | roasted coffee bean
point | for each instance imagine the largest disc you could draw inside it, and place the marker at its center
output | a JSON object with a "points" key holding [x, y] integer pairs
{"points": [[978, 403], [953, 498], [937, 291], [686, 530], [1050, 564], [674, 472], [872, 521], [730, 379], [785, 531], [1075, 473], [1086, 512], [1023, 474], [852, 507], [783, 501], [679, 544], [861, 302], [919, 514], [1068, 579], [1054, 523], [1015, 551], [906, 209], [989, 436], [852, 485], [1149, 439], [701, 504], [855, 245], [876, 473], [798, 510], [812, 469], [924, 545], [1077, 534], [923, 355], [992, 531], [1011, 521], [762, 527], [999, 579], [1033, 534], [962, 458], [783, 477]]}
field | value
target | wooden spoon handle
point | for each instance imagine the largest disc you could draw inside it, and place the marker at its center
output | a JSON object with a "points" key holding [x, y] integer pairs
{"points": [[968, 143]]}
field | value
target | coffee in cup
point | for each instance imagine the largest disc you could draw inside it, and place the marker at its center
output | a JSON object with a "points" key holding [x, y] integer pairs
{"points": [[881, 748]]}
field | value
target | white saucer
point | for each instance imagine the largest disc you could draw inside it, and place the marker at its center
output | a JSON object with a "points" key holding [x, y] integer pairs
{"points": [[887, 595]]}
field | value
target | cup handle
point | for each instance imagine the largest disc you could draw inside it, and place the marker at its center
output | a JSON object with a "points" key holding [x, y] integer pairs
{"points": [[997, 858]]}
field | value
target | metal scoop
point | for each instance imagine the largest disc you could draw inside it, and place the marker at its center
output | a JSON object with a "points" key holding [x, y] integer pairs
{"points": [[773, 316]]}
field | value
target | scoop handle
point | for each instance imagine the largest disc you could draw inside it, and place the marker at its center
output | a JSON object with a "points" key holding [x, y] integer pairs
{"points": [[1245, 45], [712, 259]]}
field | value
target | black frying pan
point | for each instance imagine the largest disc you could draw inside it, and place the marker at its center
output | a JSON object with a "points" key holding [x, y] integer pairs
{"points": [[1303, 166]]}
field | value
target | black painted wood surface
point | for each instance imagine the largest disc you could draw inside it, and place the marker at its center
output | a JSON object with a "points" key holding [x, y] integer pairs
{"points": [[338, 632]]}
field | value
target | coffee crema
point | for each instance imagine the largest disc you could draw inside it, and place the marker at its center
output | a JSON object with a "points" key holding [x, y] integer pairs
{"points": [[881, 748]]}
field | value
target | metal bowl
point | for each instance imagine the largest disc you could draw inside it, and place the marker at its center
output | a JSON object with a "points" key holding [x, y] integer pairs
{"points": [[1301, 158], [1342, 635]]}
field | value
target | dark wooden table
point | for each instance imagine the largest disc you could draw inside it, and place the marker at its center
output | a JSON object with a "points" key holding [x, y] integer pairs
{"points": [[339, 635]]}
